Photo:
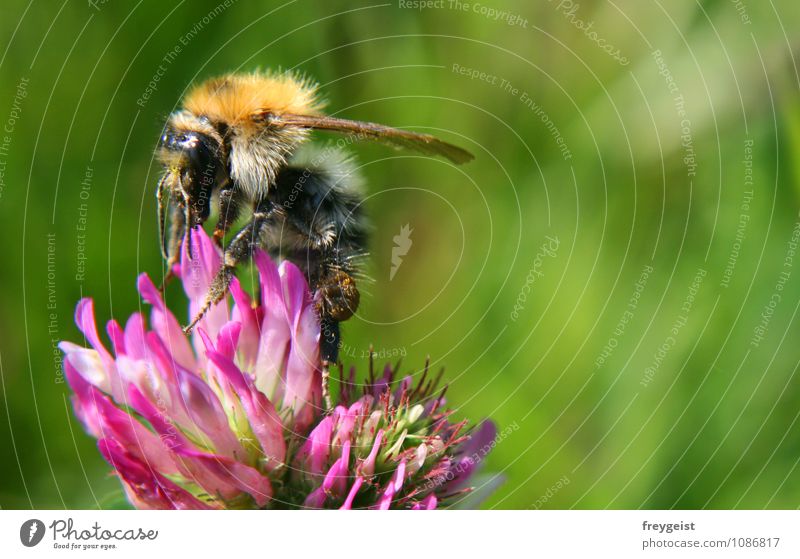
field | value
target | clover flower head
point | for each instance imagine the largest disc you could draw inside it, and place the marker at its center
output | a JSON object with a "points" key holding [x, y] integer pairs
{"points": [[232, 417]]}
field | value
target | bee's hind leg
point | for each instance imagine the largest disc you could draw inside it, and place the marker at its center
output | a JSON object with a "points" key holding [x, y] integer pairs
{"points": [[330, 339], [337, 295], [329, 354], [240, 249], [337, 300]]}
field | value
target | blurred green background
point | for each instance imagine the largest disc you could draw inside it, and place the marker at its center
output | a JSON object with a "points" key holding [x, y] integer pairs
{"points": [[613, 279]]}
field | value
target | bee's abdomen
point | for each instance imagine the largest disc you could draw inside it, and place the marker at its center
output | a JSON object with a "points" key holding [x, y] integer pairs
{"points": [[324, 226]]}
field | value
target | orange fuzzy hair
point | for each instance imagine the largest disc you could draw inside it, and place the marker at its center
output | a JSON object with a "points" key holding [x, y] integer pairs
{"points": [[235, 98]]}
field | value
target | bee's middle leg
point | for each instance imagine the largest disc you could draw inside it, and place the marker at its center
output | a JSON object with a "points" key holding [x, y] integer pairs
{"points": [[229, 208], [240, 249]]}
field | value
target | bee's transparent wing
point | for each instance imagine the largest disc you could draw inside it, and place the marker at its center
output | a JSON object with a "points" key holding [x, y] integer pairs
{"points": [[424, 143]]}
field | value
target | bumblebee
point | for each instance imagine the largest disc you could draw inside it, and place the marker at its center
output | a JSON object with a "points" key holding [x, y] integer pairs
{"points": [[235, 143]]}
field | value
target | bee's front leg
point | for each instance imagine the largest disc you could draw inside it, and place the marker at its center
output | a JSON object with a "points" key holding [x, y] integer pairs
{"points": [[172, 245]]}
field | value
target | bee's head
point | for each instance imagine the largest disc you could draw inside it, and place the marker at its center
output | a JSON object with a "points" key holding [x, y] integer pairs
{"points": [[193, 154]]}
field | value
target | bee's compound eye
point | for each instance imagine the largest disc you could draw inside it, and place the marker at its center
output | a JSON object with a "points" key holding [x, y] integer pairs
{"points": [[178, 140], [186, 140], [172, 139]]}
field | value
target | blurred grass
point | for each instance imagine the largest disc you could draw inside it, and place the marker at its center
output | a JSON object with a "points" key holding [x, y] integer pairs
{"points": [[716, 426]]}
